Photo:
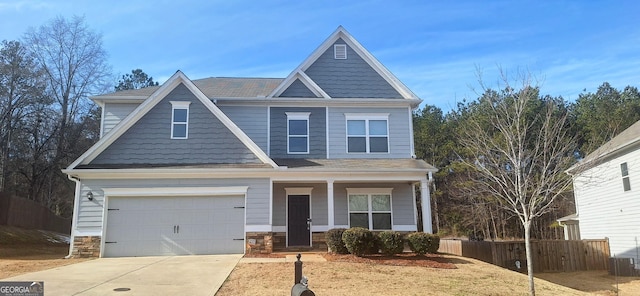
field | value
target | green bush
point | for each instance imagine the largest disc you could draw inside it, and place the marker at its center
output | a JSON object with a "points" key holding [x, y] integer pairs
{"points": [[391, 242], [358, 240], [375, 245], [422, 243], [334, 241]]}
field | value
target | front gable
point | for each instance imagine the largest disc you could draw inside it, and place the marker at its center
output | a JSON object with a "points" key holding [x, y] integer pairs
{"points": [[347, 70], [351, 77], [141, 138], [149, 140]]}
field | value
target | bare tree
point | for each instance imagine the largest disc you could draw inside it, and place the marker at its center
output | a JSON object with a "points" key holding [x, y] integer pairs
{"points": [[21, 85], [75, 65], [520, 147]]}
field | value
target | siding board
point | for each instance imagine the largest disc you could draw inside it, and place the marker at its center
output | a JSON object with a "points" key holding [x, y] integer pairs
{"points": [[114, 113]]}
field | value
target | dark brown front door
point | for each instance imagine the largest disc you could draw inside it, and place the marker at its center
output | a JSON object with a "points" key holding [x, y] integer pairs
{"points": [[298, 222]]}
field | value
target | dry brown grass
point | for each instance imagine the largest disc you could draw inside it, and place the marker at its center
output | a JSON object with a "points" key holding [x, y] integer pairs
{"points": [[471, 277], [598, 282]]}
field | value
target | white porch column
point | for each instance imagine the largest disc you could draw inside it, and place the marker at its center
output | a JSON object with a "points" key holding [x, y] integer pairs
{"points": [[330, 213], [425, 197]]}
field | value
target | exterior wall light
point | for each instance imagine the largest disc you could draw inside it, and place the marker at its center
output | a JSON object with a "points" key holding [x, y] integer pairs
{"points": [[90, 195]]}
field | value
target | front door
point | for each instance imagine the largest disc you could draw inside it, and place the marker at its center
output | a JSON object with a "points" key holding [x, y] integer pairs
{"points": [[298, 221]]}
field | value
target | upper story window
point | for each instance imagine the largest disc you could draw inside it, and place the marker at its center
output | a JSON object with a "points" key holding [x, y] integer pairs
{"points": [[370, 208], [625, 176], [179, 120], [298, 132], [340, 51], [367, 133]]}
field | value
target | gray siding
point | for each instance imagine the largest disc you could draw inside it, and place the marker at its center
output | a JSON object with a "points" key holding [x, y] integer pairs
{"points": [[149, 140], [317, 132], [114, 113], [90, 212], [318, 203], [399, 133], [297, 89], [401, 202], [252, 120], [350, 78]]}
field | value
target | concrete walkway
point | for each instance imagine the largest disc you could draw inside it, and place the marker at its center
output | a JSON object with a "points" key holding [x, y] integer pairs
{"points": [[176, 275]]}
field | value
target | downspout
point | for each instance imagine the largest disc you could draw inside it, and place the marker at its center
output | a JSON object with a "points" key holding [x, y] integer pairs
{"points": [[74, 219]]}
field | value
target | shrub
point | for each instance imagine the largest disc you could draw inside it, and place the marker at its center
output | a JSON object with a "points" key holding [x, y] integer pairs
{"points": [[391, 242], [358, 240], [375, 245], [335, 242], [422, 243]]}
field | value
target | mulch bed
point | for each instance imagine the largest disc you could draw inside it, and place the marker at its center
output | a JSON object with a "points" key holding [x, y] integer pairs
{"points": [[263, 255], [405, 259]]}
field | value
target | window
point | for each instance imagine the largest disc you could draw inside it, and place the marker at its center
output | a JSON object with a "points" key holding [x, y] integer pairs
{"points": [[179, 120], [298, 132], [370, 208], [625, 176], [340, 51], [367, 133]]}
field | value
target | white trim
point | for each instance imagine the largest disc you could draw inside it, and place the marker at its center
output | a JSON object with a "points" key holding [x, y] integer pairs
{"points": [[319, 228], [151, 102], [306, 80], [74, 216], [298, 116], [271, 201], [257, 228], [369, 192], [176, 191], [298, 190], [102, 120], [367, 118], [280, 229], [326, 130], [342, 48], [411, 140], [306, 191], [330, 205], [179, 105], [425, 199], [78, 232], [405, 228], [341, 226], [268, 130]]}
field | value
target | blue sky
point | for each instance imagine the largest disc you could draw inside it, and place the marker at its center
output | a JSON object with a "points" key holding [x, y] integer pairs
{"points": [[434, 47]]}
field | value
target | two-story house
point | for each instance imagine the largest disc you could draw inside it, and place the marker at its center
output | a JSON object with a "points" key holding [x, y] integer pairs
{"points": [[605, 186], [228, 165]]}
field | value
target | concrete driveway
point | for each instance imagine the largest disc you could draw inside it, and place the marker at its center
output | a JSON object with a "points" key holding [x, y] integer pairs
{"points": [[175, 275]]}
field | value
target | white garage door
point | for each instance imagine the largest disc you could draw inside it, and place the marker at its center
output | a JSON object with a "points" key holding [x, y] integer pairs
{"points": [[183, 225]]}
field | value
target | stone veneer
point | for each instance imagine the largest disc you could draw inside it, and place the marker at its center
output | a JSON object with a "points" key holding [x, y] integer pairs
{"points": [[259, 242], [86, 247]]}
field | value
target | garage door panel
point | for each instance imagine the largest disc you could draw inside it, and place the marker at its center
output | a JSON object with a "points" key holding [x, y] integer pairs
{"points": [[145, 226]]}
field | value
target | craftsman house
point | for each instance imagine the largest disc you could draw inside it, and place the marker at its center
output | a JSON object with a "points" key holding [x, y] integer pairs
{"points": [[606, 185], [232, 165]]}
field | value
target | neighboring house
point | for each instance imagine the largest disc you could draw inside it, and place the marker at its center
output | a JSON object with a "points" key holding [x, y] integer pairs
{"points": [[606, 186], [228, 165]]}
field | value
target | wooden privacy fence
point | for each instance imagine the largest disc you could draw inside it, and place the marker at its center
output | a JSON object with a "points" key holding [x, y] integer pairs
{"points": [[548, 255], [26, 213]]}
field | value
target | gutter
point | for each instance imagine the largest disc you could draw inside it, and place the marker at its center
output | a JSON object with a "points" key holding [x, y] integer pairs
{"points": [[75, 214]]}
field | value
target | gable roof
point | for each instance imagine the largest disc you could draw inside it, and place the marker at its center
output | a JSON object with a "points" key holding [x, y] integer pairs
{"points": [[626, 139], [159, 93], [212, 87], [341, 33]]}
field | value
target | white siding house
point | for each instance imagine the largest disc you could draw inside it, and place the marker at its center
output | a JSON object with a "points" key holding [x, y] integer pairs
{"points": [[607, 194]]}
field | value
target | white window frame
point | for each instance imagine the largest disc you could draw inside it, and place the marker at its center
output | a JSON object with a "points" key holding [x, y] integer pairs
{"points": [[626, 182], [298, 116], [343, 49], [369, 192], [179, 105], [366, 118]]}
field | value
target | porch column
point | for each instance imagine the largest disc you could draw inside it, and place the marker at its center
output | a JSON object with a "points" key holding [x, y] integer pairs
{"points": [[425, 197], [330, 218]]}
